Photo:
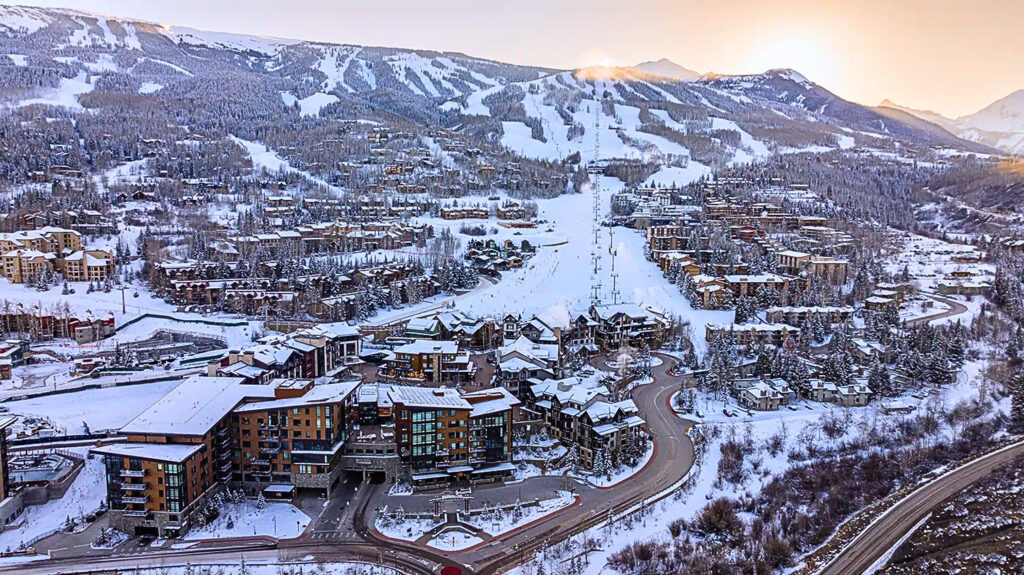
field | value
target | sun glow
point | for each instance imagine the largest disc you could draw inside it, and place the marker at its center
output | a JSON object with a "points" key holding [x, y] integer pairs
{"points": [[794, 49]]}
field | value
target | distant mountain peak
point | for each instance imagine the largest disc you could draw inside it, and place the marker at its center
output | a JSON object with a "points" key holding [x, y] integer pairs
{"points": [[667, 69]]}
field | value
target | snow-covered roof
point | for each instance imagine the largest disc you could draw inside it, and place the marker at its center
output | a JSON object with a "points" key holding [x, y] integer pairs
{"points": [[320, 394], [576, 389], [543, 351], [333, 330], [498, 399], [169, 452], [515, 365], [241, 369], [422, 346], [762, 389], [765, 327], [601, 410], [754, 279], [631, 310], [195, 406], [609, 428], [793, 254], [441, 398]]}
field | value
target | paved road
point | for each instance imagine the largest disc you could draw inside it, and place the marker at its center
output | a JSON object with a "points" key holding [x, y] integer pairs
{"points": [[331, 538], [955, 308], [671, 461], [885, 532]]}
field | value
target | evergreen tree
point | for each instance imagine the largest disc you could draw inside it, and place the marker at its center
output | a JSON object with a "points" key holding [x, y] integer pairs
{"points": [[879, 380], [1017, 403]]}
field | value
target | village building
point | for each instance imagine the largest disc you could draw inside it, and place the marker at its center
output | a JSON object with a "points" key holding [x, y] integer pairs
{"points": [[426, 360]]}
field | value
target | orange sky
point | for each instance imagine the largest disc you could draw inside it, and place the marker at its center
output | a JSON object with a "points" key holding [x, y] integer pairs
{"points": [[950, 56]]}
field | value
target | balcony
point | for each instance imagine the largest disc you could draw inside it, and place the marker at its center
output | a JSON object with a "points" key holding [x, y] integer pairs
{"points": [[270, 427], [259, 462], [223, 432], [225, 468], [135, 513], [136, 499], [269, 451], [134, 486], [133, 473], [226, 454]]}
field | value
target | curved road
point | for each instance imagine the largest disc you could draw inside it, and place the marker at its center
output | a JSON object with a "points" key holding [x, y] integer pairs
{"points": [[672, 459], [955, 308], [886, 531]]}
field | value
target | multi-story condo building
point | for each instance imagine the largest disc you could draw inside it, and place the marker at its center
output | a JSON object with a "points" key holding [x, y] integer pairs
{"points": [[522, 360], [579, 411], [87, 266], [322, 350], [798, 315], [195, 440], [27, 255], [177, 452], [442, 433], [746, 333], [630, 325], [294, 440], [748, 285], [427, 360]]}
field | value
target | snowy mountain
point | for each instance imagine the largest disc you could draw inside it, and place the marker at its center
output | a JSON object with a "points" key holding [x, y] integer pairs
{"points": [[655, 110], [927, 115], [1003, 115], [999, 125], [666, 69]]}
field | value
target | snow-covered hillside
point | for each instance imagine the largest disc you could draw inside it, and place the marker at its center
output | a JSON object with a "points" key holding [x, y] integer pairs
{"points": [[1000, 124], [655, 111]]}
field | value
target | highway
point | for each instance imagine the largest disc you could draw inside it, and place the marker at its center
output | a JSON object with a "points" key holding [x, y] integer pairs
{"points": [[672, 459], [887, 530]]}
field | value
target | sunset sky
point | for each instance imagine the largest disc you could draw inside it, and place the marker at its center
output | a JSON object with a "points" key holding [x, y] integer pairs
{"points": [[950, 56]]}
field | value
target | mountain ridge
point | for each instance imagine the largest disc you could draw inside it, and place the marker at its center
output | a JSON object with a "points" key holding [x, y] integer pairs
{"points": [[778, 110]]}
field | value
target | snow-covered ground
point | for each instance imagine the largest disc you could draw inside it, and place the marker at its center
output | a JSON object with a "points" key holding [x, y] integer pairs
{"points": [[454, 540], [499, 522], [85, 496], [276, 519], [621, 473], [557, 281], [65, 95], [930, 259], [493, 521], [311, 105]]}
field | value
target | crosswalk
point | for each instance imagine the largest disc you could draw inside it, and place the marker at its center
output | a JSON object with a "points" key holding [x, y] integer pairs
{"points": [[344, 535]]}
